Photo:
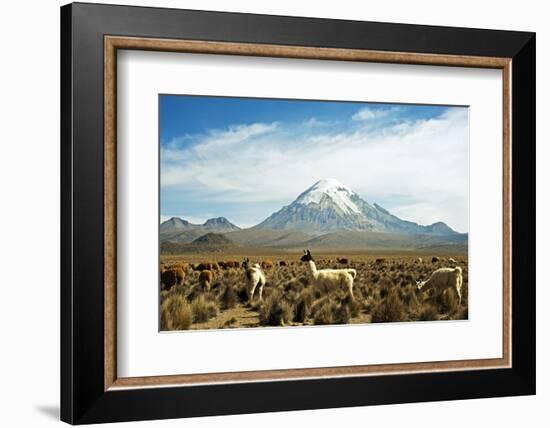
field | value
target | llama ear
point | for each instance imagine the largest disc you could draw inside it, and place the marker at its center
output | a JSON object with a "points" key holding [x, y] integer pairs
{"points": [[308, 253], [305, 252]]}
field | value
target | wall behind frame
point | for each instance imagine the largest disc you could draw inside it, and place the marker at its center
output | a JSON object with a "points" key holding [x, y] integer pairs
{"points": [[29, 173]]}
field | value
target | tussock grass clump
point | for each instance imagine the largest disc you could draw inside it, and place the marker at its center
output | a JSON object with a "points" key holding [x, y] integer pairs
{"points": [[410, 298], [194, 292], [288, 312], [447, 301], [428, 313], [254, 305], [216, 286], [368, 304], [390, 309], [301, 312], [341, 313], [292, 285], [175, 313], [242, 294], [304, 280], [203, 309], [229, 322], [322, 312], [228, 297], [303, 305], [385, 282], [326, 311], [274, 311], [366, 291], [353, 305]]}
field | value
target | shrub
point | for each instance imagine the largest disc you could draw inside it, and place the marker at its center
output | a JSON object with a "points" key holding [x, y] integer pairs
{"points": [[203, 309], [390, 309], [175, 313]]}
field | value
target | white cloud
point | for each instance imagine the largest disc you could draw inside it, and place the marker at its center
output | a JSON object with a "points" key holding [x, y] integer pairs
{"points": [[314, 122], [424, 162], [370, 114]]}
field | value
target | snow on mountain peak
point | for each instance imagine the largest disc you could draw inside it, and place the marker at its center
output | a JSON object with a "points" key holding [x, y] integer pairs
{"points": [[336, 191]]}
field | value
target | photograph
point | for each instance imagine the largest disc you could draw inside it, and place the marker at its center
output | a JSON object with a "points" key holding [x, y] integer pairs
{"points": [[262, 211], [289, 212]]}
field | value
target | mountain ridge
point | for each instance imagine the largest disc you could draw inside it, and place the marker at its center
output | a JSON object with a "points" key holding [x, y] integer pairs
{"points": [[329, 206], [179, 230], [212, 223], [326, 215]]}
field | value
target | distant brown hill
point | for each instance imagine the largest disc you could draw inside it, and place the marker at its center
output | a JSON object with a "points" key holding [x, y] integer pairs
{"points": [[291, 240], [268, 238], [213, 239], [210, 242], [285, 239], [390, 241]]}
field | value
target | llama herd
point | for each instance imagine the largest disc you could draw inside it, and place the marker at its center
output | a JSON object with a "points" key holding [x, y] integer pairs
{"points": [[323, 281], [329, 280]]}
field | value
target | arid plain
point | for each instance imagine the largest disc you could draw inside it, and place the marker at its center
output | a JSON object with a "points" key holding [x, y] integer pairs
{"points": [[384, 289]]}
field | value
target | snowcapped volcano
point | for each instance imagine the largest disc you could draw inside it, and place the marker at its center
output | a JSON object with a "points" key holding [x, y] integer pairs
{"points": [[329, 206], [333, 190]]}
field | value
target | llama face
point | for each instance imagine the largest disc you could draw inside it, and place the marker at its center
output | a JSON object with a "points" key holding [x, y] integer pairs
{"points": [[306, 257]]}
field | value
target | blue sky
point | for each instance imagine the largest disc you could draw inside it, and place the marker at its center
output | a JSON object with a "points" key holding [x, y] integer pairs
{"points": [[245, 158]]}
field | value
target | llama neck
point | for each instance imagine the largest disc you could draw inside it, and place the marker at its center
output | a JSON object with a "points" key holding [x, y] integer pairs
{"points": [[312, 268]]}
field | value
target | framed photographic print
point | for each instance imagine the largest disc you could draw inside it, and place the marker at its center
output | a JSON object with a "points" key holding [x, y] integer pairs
{"points": [[266, 213]]}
